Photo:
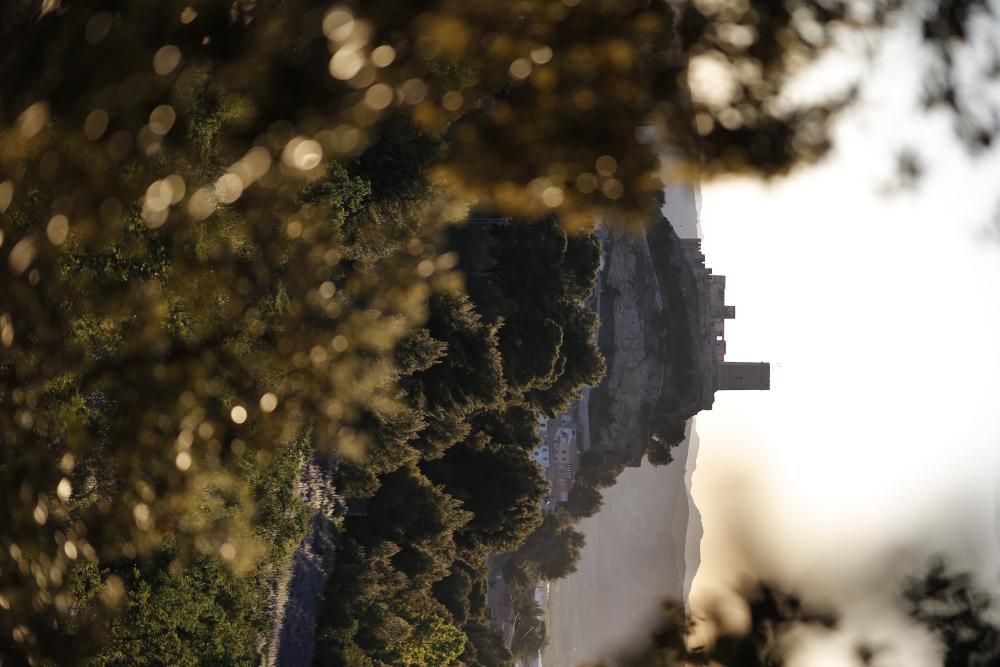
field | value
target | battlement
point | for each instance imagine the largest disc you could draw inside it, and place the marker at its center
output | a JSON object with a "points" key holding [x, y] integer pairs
{"points": [[724, 375], [743, 375]]}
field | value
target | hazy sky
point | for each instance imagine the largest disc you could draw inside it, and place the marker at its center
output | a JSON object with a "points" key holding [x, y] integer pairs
{"points": [[880, 315]]}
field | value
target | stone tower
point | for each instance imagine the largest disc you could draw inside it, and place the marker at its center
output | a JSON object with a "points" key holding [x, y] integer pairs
{"points": [[744, 375]]}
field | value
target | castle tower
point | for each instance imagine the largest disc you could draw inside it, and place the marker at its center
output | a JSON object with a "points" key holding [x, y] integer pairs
{"points": [[716, 293], [744, 375], [723, 312]]}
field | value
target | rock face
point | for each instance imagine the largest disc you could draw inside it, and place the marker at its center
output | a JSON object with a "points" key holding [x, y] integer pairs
{"points": [[630, 300], [686, 357], [648, 320]]}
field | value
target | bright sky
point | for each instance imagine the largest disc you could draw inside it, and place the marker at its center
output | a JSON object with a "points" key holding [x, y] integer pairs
{"points": [[880, 315]]}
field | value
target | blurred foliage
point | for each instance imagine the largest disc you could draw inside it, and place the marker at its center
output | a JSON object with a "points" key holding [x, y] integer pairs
{"points": [[958, 613], [222, 245], [949, 603], [772, 612]]}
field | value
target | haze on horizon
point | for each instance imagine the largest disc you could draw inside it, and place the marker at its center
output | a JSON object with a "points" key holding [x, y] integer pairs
{"points": [[879, 311]]}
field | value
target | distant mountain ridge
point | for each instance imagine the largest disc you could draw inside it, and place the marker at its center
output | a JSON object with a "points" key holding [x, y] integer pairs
{"points": [[695, 530]]}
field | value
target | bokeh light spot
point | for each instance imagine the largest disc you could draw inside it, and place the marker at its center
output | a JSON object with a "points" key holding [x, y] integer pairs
{"points": [[452, 100], [95, 124], [414, 91], [33, 119], [541, 55], [383, 56], [586, 183], [166, 60], [552, 196], [302, 153], [183, 461], [6, 196], [338, 24], [606, 165], [202, 204], [520, 69], [228, 188], [238, 414], [268, 402], [141, 515], [21, 255], [379, 96], [162, 118], [613, 189], [346, 63], [58, 229]]}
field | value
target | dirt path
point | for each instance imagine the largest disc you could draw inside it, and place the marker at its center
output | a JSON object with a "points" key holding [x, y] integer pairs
{"points": [[299, 595]]}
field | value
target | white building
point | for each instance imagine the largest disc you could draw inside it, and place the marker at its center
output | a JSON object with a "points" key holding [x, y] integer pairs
{"points": [[541, 455]]}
